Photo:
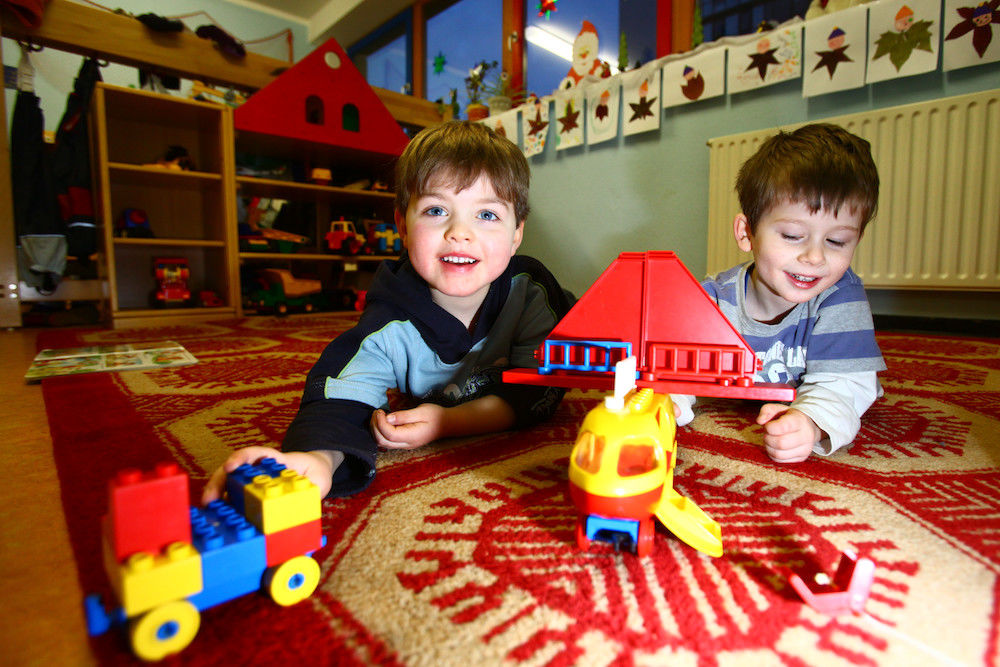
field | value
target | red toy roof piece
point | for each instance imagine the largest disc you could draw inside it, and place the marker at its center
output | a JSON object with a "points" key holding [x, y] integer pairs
{"points": [[327, 77], [646, 298]]}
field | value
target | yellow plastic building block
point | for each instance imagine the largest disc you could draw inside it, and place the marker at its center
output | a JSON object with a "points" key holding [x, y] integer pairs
{"points": [[277, 503], [144, 580]]}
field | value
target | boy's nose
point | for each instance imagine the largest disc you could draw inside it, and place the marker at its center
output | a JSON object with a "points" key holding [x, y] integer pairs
{"points": [[458, 231], [812, 254]]}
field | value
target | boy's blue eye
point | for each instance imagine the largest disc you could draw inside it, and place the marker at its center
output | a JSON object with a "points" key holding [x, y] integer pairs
{"points": [[434, 210], [488, 215]]}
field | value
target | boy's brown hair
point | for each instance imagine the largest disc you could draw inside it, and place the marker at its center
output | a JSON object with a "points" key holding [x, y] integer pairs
{"points": [[820, 165], [461, 152]]}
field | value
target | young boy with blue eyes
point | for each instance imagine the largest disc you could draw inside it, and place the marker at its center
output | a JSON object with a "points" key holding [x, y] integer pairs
{"points": [[440, 325], [806, 197]]}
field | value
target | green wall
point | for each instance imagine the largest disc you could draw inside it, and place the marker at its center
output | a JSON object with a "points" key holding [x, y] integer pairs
{"points": [[650, 191]]}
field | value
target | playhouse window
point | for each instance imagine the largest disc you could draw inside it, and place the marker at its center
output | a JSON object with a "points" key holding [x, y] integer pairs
{"points": [[350, 119], [314, 111]]}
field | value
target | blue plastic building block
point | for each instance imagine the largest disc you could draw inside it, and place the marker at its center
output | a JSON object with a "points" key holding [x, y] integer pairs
{"points": [[237, 480], [233, 553], [603, 529], [598, 355]]}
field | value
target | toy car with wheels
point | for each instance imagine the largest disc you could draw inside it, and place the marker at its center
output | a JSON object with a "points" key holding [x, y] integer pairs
{"points": [[172, 275], [167, 561], [281, 292]]}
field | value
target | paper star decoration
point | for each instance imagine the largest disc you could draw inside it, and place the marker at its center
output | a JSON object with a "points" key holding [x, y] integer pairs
{"points": [[977, 20], [439, 63], [569, 119], [546, 7], [641, 109], [760, 61], [538, 124]]}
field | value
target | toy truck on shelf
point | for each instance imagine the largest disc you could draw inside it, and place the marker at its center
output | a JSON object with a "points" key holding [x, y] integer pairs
{"points": [[172, 275], [344, 238], [168, 561], [383, 237], [280, 292]]}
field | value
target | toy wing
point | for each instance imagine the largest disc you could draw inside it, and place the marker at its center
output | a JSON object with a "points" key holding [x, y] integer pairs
{"points": [[688, 522]]}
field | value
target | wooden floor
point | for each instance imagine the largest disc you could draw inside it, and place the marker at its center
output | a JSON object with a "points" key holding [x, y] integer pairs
{"points": [[41, 606]]}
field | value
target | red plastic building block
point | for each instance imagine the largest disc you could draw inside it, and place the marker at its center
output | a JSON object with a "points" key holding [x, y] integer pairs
{"points": [[649, 305], [148, 511], [847, 593], [284, 544]]}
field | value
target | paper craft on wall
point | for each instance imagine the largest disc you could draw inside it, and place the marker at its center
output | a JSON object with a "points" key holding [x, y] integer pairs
{"points": [[641, 100], [699, 77], [505, 124], [586, 64], [902, 38], [602, 110], [568, 118], [535, 126], [835, 52], [969, 38], [767, 59]]}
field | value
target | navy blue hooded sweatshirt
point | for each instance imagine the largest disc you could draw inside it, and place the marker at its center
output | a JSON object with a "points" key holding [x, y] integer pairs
{"points": [[407, 342]]}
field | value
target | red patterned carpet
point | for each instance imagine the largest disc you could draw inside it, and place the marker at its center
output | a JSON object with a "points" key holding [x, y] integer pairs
{"points": [[463, 553]]}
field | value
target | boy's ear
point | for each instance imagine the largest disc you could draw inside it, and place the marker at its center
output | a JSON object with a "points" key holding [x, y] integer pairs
{"points": [[518, 237], [400, 225], [741, 230]]}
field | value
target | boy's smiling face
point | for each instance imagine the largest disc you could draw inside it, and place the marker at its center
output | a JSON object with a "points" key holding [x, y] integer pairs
{"points": [[797, 255], [459, 241]]}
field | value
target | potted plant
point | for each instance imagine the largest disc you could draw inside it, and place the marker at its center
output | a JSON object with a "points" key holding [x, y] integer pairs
{"points": [[501, 94], [475, 86]]}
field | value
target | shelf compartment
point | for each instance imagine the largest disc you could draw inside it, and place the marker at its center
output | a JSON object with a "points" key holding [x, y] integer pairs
{"points": [[252, 186], [133, 268], [143, 125], [189, 207]]}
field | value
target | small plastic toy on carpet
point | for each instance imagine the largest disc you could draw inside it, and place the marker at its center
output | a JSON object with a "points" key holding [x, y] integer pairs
{"points": [[848, 591], [168, 561]]}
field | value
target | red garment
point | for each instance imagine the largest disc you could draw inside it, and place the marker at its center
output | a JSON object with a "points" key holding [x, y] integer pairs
{"points": [[29, 11]]}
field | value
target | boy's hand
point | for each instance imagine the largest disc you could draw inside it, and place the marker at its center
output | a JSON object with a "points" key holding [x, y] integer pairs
{"points": [[788, 438], [408, 429], [317, 466]]}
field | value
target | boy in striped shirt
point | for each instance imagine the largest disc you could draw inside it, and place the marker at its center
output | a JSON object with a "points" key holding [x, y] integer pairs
{"points": [[806, 197]]}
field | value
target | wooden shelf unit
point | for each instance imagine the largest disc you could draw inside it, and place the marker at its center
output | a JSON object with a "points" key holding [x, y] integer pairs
{"points": [[191, 213], [323, 204]]}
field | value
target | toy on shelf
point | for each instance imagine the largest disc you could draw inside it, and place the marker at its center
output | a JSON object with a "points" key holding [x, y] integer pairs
{"points": [[133, 223], [649, 305], [282, 292], [172, 275], [176, 158], [621, 473], [344, 238], [209, 299], [320, 176], [383, 237], [848, 591], [168, 561]]}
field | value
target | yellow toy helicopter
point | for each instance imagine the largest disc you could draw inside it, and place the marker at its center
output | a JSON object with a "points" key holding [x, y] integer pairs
{"points": [[621, 473]]}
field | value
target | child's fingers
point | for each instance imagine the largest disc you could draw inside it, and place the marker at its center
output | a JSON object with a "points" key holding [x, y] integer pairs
{"points": [[216, 483], [769, 411]]}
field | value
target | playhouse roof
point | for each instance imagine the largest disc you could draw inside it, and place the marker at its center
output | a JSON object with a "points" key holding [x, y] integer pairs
{"points": [[322, 102]]}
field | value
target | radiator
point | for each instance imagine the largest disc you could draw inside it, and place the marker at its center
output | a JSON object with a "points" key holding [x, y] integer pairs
{"points": [[938, 220]]}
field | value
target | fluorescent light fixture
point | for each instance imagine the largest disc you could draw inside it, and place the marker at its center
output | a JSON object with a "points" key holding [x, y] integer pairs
{"points": [[550, 42]]}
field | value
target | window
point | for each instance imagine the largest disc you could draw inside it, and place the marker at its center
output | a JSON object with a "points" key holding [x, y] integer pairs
{"points": [[721, 18], [314, 111], [544, 69], [383, 57], [458, 37]]}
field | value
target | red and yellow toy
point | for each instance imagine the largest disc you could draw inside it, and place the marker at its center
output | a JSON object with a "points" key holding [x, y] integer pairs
{"points": [[168, 561], [621, 474]]}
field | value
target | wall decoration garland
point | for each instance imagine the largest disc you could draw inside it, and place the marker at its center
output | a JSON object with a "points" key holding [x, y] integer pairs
{"points": [[830, 52]]}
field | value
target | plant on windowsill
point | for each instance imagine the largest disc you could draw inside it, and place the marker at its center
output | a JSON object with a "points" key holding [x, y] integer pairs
{"points": [[501, 95], [475, 85]]}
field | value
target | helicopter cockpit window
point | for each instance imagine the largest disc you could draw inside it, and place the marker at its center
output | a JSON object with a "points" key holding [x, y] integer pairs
{"points": [[589, 449], [636, 460]]}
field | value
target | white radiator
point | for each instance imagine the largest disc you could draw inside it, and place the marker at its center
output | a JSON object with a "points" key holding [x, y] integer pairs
{"points": [[938, 221]]}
